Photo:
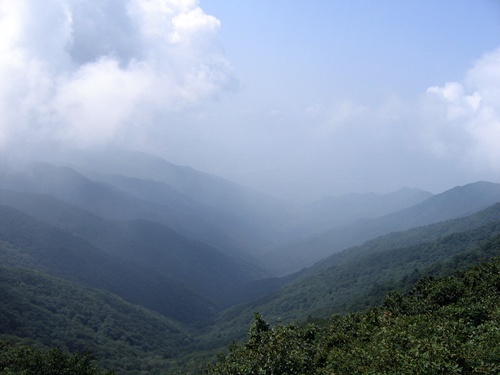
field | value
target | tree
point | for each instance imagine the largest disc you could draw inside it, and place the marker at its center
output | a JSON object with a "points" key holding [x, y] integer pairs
{"points": [[27, 360]]}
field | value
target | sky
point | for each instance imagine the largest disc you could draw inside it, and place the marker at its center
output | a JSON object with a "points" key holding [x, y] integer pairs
{"points": [[296, 99]]}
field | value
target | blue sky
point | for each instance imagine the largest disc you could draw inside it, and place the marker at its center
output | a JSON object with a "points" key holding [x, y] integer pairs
{"points": [[335, 55], [357, 48], [298, 99]]}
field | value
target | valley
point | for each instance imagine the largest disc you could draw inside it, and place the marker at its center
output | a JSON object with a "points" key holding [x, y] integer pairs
{"points": [[155, 268], [196, 187]]}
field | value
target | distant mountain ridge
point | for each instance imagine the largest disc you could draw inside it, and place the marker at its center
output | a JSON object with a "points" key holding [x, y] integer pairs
{"points": [[357, 277], [150, 244], [457, 202], [330, 212], [28, 243], [235, 228], [265, 212], [207, 254], [411, 237]]}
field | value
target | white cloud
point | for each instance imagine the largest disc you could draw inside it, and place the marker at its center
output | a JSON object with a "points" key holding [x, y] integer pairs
{"points": [[86, 72], [470, 128], [459, 103], [450, 137]]}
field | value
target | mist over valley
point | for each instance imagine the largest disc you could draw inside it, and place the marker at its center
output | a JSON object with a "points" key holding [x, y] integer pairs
{"points": [[205, 253], [213, 187]]}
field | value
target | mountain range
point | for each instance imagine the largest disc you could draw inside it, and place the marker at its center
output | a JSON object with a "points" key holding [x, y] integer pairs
{"points": [[202, 254], [456, 202]]}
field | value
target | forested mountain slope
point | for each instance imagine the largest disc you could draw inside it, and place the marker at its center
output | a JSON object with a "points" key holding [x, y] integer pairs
{"points": [[28, 359], [36, 308], [411, 237], [108, 201], [349, 281], [446, 325], [206, 188], [331, 212], [261, 216], [151, 244], [26, 242], [457, 202], [357, 282]]}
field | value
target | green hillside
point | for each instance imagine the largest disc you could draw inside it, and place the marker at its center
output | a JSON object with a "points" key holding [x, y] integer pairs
{"points": [[40, 309], [458, 202], [207, 208], [330, 212], [26, 242], [446, 325], [183, 285], [201, 267], [362, 280], [28, 360]]}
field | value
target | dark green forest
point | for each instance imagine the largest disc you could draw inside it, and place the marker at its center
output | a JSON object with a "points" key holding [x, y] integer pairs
{"points": [[361, 277], [42, 310], [28, 360], [162, 272], [50, 313], [444, 325]]}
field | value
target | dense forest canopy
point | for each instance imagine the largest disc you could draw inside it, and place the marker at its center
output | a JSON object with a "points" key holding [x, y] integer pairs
{"points": [[158, 273], [445, 325], [242, 187]]}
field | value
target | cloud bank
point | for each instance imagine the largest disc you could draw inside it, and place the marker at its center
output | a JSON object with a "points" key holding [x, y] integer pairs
{"points": [[85, 73], [446, 135], [144, 73], [469, 122]]}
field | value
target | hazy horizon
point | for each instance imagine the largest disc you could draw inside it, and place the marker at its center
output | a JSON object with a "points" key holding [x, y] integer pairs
{"points": [[298, 100]]}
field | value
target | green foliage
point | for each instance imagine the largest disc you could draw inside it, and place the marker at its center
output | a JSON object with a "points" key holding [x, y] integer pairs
{"points": [[198, 265], [47, 311], [445, 325], [454, 203], [28, 243], [282, 350], [27, 360], [361, 277], [36, 308]]}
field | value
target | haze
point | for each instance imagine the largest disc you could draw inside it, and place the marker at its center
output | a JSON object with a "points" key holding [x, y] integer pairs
{"points": [[297, 99]]}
